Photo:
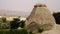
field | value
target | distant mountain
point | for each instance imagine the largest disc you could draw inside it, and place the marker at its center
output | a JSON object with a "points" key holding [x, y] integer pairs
{"points": [[14, 13]]}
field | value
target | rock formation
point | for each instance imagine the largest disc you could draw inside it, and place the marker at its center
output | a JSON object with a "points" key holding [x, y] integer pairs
{"points": [[40, 17]]}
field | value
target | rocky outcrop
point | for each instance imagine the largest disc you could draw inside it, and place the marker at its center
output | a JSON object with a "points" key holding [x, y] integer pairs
{"points": [[40, 17]]}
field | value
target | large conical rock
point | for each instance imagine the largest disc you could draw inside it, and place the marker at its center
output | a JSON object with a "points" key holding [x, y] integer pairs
{"points": [[40, 17]]}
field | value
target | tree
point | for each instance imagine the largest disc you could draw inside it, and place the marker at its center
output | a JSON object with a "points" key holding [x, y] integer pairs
{"points": [[57, 17], [22, 24], [15, 23], [3, 19]]}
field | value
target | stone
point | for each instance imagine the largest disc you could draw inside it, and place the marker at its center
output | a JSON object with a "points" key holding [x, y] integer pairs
{"points": [[40, 17]]}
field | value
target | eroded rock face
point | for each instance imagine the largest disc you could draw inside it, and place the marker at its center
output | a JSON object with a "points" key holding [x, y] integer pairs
{"points": [[40, 17]]}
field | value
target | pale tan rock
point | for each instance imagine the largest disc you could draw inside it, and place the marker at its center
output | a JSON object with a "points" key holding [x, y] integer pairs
{"points": [[54, 31], [40, 5], [40, 17]]}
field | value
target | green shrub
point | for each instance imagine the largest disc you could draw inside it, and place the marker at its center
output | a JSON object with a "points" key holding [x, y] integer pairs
{"points": [[22, 24], [3, 19], [15, 31], [30, 32], [40, 30], [14, 24]]}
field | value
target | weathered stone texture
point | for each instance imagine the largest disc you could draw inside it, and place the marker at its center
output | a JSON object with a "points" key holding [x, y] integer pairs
{"points": [[42, 18]]}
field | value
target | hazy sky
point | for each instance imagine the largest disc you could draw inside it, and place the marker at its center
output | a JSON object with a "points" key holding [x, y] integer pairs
{"points": [[27, 5]]}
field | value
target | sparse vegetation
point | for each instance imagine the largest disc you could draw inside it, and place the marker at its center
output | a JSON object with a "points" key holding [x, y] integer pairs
{"points": [[15, 31], [4, 23], [4, 19], [15, 23]]}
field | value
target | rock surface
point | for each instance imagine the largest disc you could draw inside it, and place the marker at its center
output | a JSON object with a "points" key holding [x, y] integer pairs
{"points": [[54, 31], [40, 17]]}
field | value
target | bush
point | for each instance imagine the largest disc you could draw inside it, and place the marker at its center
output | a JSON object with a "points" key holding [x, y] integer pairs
{"points": [[30, 32], [40, 30], [15, 23], [57, 17], [22, 24], [22, 31], [3, 19]]}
